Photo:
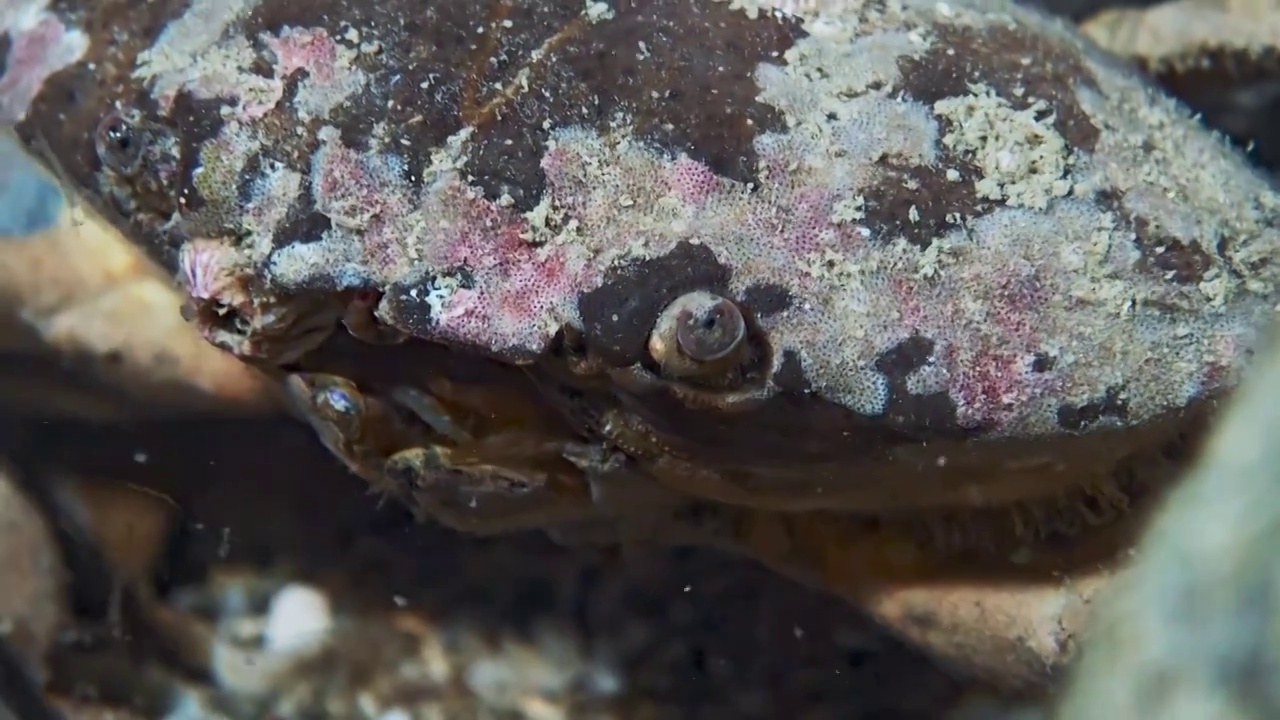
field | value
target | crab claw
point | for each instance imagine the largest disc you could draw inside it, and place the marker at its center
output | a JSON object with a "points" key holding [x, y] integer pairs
{"points": [[333, 406], [469, 495], [432, 412], [360, 430]]}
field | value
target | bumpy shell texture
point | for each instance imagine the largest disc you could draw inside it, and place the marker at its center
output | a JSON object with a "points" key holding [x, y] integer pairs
{"points": [[961, 236]]}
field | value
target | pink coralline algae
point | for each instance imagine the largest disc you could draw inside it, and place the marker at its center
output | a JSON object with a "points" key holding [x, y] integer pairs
{"points": [[692, 181], [40, 45], [356, 191], [330, 76], [190, 57], [862, 176], [519, 288], [993, 379], [305, 49], [514, 285]]}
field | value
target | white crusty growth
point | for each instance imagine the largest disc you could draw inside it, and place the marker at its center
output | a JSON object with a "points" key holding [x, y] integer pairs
{"points": [[1040, 299]]}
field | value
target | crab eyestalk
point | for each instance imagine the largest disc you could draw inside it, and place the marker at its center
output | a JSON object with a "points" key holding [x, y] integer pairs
{"points": [[701, 337]]}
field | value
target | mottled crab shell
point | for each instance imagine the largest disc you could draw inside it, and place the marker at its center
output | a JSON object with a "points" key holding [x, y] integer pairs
{"points": [[980, 252]]}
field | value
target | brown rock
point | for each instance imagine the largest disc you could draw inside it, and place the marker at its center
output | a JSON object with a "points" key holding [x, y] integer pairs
{"points": [[89, 326], [32, 605]]}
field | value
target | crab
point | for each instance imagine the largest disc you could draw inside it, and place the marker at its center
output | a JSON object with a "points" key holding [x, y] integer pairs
{"points": [[890, 296], [411, 445]]}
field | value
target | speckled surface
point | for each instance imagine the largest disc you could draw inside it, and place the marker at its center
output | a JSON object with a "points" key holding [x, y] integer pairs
{"points": [[945, 222], [1013, 230], [989, 279]]}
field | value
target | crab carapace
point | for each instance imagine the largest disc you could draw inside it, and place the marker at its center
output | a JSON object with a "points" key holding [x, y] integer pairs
{"points": [[876, 292]]}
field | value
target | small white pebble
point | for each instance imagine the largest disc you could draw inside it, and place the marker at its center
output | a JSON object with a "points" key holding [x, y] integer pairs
{"points": [[602, 681], [299, 619]]}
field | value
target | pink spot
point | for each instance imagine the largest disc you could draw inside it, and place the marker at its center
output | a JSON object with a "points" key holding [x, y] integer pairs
{"points": [[518, 286], [988, 356], [912, 302], [40, 46], [692, 181], [562, 168], [305, 49], [1016, 301], [463, 306], [806, 227], [992, 385], [559, 165], [1225, 352], [360, 192], [207, 267]]}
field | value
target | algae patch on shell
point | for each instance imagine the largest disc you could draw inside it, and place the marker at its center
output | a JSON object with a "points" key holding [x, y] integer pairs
{"points": [[943, 271]]}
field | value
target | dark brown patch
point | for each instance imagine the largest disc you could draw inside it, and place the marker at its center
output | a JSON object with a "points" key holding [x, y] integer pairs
{"points": [[796, 425], [1111, 405], [681, 70], [5, 44], [1234, 90], [195, 121], [994, 56], [304, 223], [932, 415], [765, 300], [1181, 262], [1043, 362], [618, 316], [245, 183], [903, 186], [406, 306], [780, 431], [1161, 254], [790, 376]]}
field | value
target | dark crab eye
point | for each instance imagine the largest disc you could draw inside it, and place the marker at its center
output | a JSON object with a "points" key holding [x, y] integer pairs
{"points": [[697, 334], [118, 144]]}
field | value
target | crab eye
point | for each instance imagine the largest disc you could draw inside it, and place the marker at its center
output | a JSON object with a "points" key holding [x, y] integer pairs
{"points": [[697, 334], [709, 328], [118, 144]]}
